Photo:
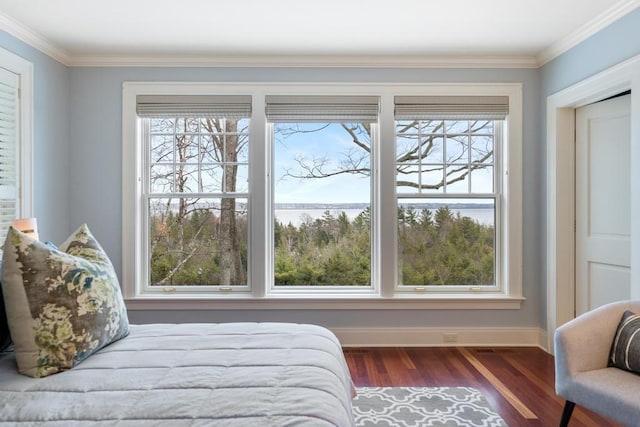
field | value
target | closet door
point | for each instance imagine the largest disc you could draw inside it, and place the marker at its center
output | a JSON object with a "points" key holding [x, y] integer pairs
{"points": [[602, 203]]}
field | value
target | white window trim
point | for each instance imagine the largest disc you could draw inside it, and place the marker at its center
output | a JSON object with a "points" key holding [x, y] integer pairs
{"points": [[373, 289], [384, 203], [24, 69], [148, 195], [499, 273]]}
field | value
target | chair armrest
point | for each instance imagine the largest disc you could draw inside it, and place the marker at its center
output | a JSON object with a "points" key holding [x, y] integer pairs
{"points": [[584, 343]]}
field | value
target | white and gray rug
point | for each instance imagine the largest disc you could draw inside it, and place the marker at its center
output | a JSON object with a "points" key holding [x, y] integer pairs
{"points": [[423, 407]]}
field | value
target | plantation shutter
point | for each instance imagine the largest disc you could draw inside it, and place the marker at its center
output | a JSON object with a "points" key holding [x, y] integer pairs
{"points": [[215, 106], [9, 140], [451, 107], [322, 109]]}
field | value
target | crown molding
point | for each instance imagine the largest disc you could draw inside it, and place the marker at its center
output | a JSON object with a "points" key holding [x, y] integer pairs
{"points": [[308, 61], [606, 18], [33, 39], [49, 48]]}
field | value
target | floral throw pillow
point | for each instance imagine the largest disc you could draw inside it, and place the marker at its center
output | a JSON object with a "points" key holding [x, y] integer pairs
{"points": [[62, 304]]}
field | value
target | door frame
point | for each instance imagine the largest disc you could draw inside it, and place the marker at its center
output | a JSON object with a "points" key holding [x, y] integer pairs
{"points": [[560, 215]]}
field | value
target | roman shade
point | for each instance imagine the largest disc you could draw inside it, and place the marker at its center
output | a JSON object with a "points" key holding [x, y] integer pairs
{"points": [[451, 107], [322, 109], [216, 106]]}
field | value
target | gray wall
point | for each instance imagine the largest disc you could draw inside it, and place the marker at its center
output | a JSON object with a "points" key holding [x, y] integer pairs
{"points": [[95, 153], [78, 167], [610, 46], [616, 43], [51, 139]]}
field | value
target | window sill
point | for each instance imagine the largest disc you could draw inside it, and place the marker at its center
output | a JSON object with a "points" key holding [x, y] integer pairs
{"points": [[324, 302]]}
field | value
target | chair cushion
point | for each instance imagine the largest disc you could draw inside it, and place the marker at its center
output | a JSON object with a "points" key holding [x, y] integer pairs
{"points": [[625, 349], [610, 392], [62, 305]]}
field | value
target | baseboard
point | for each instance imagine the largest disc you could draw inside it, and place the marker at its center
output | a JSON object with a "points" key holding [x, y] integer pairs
{"points": [[543, 340], [441, 337]]}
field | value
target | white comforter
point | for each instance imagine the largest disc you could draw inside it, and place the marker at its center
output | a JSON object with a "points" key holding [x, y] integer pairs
{"points": [[235, 374]]}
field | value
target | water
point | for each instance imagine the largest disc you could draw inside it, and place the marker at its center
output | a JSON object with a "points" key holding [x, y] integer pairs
{"points": [[297, 216]]}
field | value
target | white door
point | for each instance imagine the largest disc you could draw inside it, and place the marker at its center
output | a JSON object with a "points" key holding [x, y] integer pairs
{"points": [[603, 203]]}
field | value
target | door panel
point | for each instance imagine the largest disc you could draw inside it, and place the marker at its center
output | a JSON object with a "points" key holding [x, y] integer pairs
{"points": [[602, 203], [608, 283]]}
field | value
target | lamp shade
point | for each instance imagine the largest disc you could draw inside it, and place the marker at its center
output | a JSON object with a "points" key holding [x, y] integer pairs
{"points": [[28, 226]]}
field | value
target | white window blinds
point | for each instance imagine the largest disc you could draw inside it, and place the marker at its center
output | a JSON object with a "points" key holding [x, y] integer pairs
{"points": [[451, 107], [9, 120], [322, 109], [218, 106]]}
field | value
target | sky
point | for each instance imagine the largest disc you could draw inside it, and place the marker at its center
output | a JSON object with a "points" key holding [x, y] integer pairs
{"points": [[334, 143], [331, 142], [314, 141]]}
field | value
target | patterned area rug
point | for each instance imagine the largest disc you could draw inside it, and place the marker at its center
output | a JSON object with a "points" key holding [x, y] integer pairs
{"points": [[423, 407]]}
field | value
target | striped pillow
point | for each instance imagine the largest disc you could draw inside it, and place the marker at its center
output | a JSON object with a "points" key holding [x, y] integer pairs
{"points": [[625, 351]]}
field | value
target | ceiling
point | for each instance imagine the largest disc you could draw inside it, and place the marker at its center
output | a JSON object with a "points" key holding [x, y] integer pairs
{"points": [[81, 31]]}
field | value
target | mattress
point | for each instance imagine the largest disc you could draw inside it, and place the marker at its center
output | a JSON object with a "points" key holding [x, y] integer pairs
{"points": [[235, 374]]}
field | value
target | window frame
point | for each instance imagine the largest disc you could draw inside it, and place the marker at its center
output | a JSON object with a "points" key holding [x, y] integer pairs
{"points": [[148, 195], [338, 290], [498, 166], [384, 272]]}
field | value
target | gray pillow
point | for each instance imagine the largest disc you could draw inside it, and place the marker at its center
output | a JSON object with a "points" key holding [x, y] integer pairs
{"points": [[625, 349], [62, 305]]}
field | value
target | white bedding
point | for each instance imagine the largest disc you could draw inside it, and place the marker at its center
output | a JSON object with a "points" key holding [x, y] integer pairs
{"points": [[235, 374]]}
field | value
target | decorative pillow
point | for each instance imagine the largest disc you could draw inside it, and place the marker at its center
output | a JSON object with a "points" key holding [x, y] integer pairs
{"points": [[625, 350], [62, 305]]}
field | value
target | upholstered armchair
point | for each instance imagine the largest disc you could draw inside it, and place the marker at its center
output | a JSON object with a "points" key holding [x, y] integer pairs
{"points": [[582, 348]]}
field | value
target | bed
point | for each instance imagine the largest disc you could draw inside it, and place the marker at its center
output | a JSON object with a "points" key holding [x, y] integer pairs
{"points": [[78, 362], [235, 374]]}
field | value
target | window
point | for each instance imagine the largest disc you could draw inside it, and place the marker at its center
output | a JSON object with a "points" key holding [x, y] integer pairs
{"points": [[195, 194], [448, 189], [322, 190], [276, 195], [15, 139], [9, 149]]}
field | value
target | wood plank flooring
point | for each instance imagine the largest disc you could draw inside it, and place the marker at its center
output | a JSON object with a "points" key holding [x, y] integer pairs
{"points": [[518, 381]]}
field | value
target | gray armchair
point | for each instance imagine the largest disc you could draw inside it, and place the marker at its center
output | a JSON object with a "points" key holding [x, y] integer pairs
{"points": [[582, 349]]}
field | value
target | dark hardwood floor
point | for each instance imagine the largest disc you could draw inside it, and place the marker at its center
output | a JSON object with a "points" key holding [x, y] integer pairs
{"points": [[518, 382]]}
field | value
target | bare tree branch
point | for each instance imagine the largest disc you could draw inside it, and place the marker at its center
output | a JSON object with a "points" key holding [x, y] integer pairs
{"points": [[423, 146], [352, 130], [194, 246]]}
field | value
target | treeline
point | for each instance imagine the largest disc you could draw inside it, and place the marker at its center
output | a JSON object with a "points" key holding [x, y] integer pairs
{"points": [[329, 251], [434, 248], [440, 248], [188, 249]]}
